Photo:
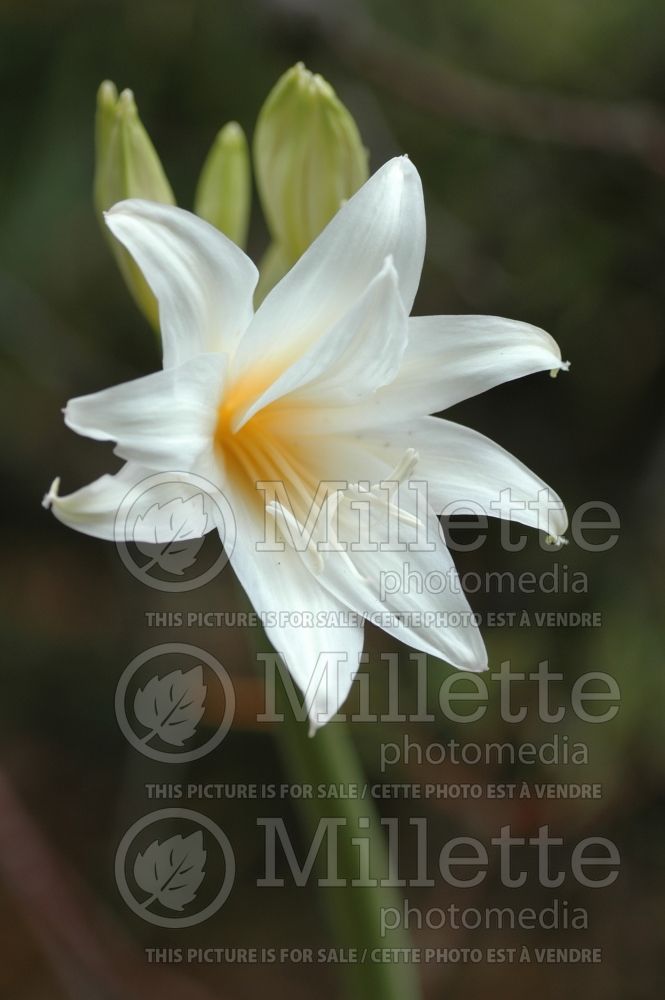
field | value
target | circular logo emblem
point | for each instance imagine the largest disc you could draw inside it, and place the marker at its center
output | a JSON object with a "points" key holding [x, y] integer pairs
{"points": [[160, 528], [169, 700], [174, 868]]}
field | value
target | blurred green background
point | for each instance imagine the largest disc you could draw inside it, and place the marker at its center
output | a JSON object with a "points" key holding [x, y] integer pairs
{"points": [[547, 208]]}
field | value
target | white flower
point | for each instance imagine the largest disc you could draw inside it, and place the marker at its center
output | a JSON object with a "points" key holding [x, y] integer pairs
{"points": [[328, 381]]}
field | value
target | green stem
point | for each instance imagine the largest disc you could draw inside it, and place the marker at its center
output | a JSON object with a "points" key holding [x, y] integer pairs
{"points": [[330, 758], [354, 912]]}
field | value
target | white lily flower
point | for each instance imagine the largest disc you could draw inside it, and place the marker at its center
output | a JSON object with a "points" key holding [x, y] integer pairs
{"points": [[330, 380]]}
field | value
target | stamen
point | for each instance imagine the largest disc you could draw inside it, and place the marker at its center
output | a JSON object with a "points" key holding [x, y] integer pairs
{"points": [[403, 469], [277, 510]]}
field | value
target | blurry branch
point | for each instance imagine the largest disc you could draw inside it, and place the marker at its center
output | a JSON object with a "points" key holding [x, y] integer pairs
{"points": [[411, 75]]}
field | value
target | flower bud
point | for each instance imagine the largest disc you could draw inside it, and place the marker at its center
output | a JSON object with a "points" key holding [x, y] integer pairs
{"points": [[308, 158], [272, 268], [126, 166], [224, 192]]}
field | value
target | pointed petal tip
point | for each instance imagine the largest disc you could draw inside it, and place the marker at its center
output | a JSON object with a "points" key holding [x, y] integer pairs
{"points": [[484, 664], [52, 494], [398, 169], [472, 666], [478, 663], [470, 655], [478, 666], [130, 207], [404, 165], [120, 208], [475, 659], [115, 212], [564, 366], [555, 526]]}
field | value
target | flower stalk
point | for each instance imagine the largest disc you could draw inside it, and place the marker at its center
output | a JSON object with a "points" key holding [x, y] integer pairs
{"points": [[353, 911]]}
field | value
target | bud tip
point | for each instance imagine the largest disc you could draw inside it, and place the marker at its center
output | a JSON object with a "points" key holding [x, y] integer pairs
{"points": [[107, 94], [232, 134]]}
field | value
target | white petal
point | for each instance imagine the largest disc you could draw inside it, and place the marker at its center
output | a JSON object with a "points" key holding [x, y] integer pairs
{"points": [[164, 421], [447, 359], [380, 548], [322, 657], [95, 509], [360, 353], [450, 358], [462, 467], [340, 458], [202, 281], [386, 217]]}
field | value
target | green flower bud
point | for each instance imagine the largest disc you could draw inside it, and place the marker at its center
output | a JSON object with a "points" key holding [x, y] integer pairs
{"points": [[126, 166], [274, 265], [224, 192], [308, 158]]}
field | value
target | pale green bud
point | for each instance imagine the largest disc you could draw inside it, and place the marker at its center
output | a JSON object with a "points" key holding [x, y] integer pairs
{"points": [[126, 166], [308, 158], [224, 192], [274, 265]]}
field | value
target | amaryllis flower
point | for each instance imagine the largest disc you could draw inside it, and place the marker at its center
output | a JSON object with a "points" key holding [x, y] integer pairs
{"points": [[328, 382]]}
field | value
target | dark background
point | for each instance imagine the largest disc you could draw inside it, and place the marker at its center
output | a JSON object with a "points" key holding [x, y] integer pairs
{"points": [[537, 130]]}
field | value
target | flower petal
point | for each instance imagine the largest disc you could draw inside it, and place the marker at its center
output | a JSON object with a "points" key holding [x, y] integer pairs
{"points": [[447, 359], [386, 217], [163, 421], [465, 469], [451, 358], [203, 282], [94, 509], [322, 654], [360, 353], [376, 557]]}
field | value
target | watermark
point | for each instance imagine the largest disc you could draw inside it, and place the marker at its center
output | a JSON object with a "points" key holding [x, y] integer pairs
{"points": [[376, 790], [161, 699], [160, 528], [410, 579], [462, 862], [594, 524], [161, 524], [162, 868], [175, 702], [398, 516], [176, 868], [555, 752], [432, 918], [463, 697], [557, 916], [383, 619]]}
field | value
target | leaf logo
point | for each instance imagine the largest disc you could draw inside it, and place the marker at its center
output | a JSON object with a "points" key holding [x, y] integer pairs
{"points": [[171, 706], [171, 872], [176, 528]]}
